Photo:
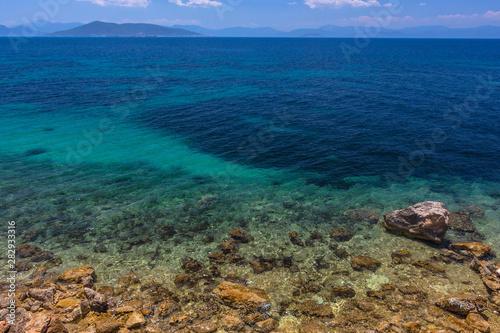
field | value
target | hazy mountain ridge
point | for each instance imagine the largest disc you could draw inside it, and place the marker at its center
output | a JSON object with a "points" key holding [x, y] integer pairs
{"points": [[352, 32], [103, 29]]}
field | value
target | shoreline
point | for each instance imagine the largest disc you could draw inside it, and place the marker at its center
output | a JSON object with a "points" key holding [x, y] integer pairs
{"points": [[399, 288]]}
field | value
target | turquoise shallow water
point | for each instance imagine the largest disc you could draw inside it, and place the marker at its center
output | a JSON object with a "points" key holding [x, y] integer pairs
{"points": [[106, 142]]}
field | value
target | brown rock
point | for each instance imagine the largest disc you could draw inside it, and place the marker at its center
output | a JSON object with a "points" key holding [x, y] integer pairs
{"points": [[477, 249], [23, 266], [167, 308], [76, 275], [312, 308], [461, 221], [44, 323], [364, 306], [178, 319], [378, 294], [412, 327], [295, 239], [253, 318], [401, 257], [364, 262], [4, 327], [266, 326], [446, 255], [477, 321], [426, 220], [46, 296], [135, 320], [97, 301], [201, 326], [432, 266], [232, 258], [106, 324], [367, 215], [341, 234], [236, 279], [190, 265], [239, 235], [217, 257], [183, 280], [229, 246], [314, 326], [344, 292], [232, 323], [129, 279], [463, 304], [242, 297], [261, 266]]}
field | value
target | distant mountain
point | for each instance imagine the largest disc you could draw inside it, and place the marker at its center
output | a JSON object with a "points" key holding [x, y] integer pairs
{"points": [[4, 31], [351, 32], [39, 30], [103, 29]]}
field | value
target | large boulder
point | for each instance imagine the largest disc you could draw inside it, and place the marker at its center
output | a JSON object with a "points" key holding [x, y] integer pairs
{"points": [[426, 220]]}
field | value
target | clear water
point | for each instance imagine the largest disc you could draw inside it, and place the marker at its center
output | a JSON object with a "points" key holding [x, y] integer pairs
{"points": [[104, 141]]}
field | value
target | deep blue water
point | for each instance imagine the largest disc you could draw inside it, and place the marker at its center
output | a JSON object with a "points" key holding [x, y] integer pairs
{"points": [[284, 103]]}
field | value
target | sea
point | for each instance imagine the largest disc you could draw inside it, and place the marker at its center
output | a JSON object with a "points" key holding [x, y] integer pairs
{"points": [[129, 154]]}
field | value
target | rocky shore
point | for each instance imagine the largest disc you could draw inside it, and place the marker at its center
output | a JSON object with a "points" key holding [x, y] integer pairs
{"points": [[448, 287]]}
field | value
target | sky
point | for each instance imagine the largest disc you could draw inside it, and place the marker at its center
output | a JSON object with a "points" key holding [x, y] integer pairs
{"points": [[279, 14]]}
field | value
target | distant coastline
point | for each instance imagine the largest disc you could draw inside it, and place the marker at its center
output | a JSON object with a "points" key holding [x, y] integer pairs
{"points": [[142, 30]]}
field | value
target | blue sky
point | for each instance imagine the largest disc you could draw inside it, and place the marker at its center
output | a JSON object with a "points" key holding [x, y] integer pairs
{"points": [[279, 14]]}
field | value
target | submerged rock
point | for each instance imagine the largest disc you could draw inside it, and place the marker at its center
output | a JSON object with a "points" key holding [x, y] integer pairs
{"points": [[364, 262], [239, 235], [76, 275], [474, 210], [341, 234], [401, 257], [242, 297], [344, 292], [477, 249], [190, 265], [426, 220], [295, 239], [461, 221], [36, 151], [463, 304], [477, 322], [367, 215], [313, 308]]}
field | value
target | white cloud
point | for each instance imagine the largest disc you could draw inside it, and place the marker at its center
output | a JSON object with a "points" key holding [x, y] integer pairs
{"points": [[491, 15], [292, 3], [122, 3], [341, 3], [452, 21], [388, 4], [422, 4], [197, 3]]}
